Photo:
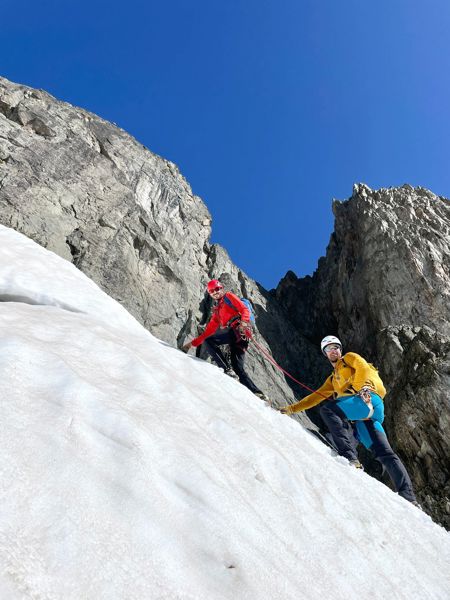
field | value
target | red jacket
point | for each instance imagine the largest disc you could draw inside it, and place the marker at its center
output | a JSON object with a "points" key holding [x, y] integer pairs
{"points": [[223, 312]]}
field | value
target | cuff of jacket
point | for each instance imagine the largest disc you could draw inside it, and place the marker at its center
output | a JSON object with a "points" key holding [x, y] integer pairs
{"points": [[295, 408]]}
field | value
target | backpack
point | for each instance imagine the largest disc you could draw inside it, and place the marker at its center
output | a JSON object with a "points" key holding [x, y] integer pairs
{"points": [[247, 303], [376, 381]]}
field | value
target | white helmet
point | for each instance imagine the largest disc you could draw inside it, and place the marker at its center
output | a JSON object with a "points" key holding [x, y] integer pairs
{"points": [[330, 339]]}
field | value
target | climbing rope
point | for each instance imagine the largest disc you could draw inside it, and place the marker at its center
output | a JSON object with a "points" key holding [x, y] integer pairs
{"points": [[270, 358]]}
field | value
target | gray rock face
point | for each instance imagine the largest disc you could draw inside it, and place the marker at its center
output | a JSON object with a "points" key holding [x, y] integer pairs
{"points": [[384, 288], [417, 363], [127, 218], [88, 191], [273, 333]]}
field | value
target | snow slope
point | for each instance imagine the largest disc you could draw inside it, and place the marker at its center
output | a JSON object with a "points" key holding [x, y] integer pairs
{"points": [[132, 471]]}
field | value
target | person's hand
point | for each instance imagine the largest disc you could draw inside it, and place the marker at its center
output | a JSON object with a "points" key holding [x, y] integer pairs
{"points": [[186, 347], [245, 330], [285, 410]]}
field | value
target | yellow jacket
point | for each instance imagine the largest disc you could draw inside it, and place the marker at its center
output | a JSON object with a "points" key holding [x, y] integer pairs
{"points": [[350, 374]]}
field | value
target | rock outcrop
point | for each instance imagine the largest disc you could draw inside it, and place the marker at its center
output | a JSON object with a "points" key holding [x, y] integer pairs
{"points": [[126, 217], [87, 190], [91, 193], [384, 287]]}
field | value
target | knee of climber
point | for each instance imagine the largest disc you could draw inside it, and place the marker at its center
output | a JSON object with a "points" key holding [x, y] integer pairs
{"points": [[380, 444]]}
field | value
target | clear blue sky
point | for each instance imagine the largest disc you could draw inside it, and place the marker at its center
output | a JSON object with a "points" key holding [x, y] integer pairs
{"points": [[269, 108]]}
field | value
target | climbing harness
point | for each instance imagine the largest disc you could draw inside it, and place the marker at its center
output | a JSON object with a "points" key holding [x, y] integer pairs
{"points": [[246, 333], [365, 395]]}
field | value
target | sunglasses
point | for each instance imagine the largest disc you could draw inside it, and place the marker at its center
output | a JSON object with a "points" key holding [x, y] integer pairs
{"points": [[216, 289], [331, 347]]}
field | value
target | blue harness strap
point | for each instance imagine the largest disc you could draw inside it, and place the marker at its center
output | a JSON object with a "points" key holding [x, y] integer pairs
{"points": [[247, 303]]}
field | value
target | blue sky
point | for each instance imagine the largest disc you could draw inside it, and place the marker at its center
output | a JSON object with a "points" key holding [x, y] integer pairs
{"points": [[270, 109]]}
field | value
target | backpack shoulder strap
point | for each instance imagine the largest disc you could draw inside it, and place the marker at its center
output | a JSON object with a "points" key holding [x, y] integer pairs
{"points": [[229, 302], [346, 363]]}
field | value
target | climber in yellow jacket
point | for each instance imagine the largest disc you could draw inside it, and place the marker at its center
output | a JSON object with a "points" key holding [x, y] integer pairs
{"points": [[350, 374], [353, 394]]}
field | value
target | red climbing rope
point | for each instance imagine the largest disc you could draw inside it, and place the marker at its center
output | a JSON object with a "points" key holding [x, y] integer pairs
{"points": [[275, 364]]}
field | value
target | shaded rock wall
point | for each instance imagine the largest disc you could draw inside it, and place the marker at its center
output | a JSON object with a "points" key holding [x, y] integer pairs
{"points": [[384, 288], [273, 331]]}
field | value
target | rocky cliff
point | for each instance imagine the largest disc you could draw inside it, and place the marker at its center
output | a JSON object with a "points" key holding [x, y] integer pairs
{"points": [[87, 190], [384, 287], [91, 193]]}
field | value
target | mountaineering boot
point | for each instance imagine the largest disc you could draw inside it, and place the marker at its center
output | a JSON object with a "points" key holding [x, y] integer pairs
{"points": [[355, 463], [231, 373]]}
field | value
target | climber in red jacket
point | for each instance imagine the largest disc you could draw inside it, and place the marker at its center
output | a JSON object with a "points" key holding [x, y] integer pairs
{"points": [[229, 324]]}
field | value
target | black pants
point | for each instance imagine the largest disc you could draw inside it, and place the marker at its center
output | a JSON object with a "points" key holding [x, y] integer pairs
{"points": [[237, 354], [377, 442]]}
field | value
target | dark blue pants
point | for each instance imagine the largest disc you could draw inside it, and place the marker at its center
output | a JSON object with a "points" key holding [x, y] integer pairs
{"points": [[237, 354], [337, 414]]}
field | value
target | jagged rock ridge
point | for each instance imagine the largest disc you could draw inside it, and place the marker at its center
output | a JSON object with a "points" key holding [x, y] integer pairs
{"points": [[384, 287]]}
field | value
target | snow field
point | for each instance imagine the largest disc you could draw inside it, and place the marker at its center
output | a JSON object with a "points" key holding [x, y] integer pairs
{"points": [[132, 471]]}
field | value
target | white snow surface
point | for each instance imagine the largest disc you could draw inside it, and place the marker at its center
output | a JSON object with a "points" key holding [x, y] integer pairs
{"points": [[132, 471]]}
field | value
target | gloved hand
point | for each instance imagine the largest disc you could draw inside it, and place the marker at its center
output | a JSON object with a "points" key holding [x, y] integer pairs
{"points": [[245, 330], [186, 347], [286, 410]]}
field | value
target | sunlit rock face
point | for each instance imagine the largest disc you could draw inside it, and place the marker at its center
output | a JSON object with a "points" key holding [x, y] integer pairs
{"points": [[88, 191], [384, 288]]}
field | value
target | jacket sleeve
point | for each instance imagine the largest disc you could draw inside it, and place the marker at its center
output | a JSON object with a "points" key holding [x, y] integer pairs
{"points": [[209, 330], [325, 391], [363, 371], [239, 306]]}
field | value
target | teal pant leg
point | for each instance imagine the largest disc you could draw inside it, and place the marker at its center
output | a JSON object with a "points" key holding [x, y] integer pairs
{"points": [[363, 432]]}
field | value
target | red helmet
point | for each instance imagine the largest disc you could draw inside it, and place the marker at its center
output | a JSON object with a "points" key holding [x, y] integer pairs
{"points": [[213, 284]]}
